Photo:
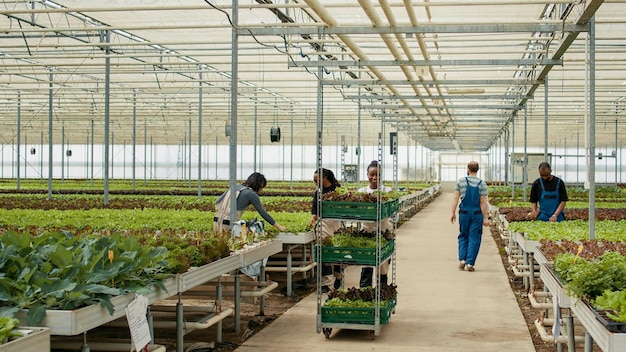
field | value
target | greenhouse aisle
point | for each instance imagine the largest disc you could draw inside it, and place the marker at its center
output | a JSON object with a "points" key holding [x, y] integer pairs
{"points": [[440, 308]]}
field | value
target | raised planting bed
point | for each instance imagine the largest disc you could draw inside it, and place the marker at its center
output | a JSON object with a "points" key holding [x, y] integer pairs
{"points": [[33, 339], [608, 323], [76, 321]]}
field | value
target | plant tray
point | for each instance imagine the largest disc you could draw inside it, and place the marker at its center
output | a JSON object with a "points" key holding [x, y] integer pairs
{"points": [[34, 339], [608, 323], [356, 256], [359, 210], [350, 315]]}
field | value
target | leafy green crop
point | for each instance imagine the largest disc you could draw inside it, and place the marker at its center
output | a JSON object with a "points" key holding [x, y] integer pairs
{"points": [[608, 230], [61, 271], [347, 240], [615, 303], [7, 328], [590, 279]]}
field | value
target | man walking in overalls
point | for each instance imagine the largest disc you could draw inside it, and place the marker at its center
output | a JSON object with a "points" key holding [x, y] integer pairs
{"points": [[548, 196], [472, 192]]}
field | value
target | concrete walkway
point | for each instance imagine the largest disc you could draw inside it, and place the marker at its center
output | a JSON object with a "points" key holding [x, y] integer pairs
{"points": [[440, 308]]}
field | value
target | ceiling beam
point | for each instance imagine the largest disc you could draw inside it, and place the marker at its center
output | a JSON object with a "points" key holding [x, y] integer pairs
{"points": [[479, 62], [469, 82], [432, 28], [435, 97]]}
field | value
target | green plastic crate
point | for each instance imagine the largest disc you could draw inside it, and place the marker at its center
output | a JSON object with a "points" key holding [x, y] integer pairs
{"points": [[357, 315], [356, 256], [358, 210]]}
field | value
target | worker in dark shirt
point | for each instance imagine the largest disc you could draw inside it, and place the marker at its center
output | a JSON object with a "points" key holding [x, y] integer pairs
{"points": [[548, 196], [247, 193]]}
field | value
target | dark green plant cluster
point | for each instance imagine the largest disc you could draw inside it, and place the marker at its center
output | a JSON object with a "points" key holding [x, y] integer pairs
{"points": [[366, 294], [61, 271], [190, 249], [600, 281], [360, 297], [351, 241]]}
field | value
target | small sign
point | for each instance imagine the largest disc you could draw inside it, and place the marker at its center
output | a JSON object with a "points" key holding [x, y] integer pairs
{"points": [[138, 323]]}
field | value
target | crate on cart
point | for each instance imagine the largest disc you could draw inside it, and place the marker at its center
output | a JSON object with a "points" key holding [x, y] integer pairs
{"points": [[358, 210], [355, 256], [354, 315]]}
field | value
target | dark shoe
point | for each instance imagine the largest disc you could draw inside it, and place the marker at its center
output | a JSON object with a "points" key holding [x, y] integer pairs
{"points": [[337, 284], [383, 279], [325, 289]]}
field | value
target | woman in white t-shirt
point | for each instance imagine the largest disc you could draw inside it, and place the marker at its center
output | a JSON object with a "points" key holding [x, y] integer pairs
{"points": [[386, 225]]}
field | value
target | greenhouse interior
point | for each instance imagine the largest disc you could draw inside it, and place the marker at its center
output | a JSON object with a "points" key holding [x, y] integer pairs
{"points": [[128, 128]]}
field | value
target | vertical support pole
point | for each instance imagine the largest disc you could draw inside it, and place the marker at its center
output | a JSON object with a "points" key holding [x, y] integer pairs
{"points": [[189, 159], [588, 342], [531, 270], [291, 153], [506, 156], [216, 156], [19, 129], [107, 96], [111, 155], [218, 307], [571, 342], [513, 162], [199, 135], [545, 119], [63, 153], [134, 140], [591, 35], [525, 163], [255, 128], [145, 152], [237, 296], [318, 166], [180, 325], [92, 150], [525, 279], [358, 138], [289, 278], [616, 164], [41, 156], [233, 116], [50, 154]]}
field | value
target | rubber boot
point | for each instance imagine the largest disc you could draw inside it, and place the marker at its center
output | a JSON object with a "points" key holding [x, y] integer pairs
{"points": [[383, 279], [366, 276]]}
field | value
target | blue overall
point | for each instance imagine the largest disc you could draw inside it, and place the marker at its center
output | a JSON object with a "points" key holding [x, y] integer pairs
{"points": [[470, 224], [549, 202]]}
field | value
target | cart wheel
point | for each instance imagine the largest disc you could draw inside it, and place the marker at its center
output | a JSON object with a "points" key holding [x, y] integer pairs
{"points": [[372, 335], [327, 332]]}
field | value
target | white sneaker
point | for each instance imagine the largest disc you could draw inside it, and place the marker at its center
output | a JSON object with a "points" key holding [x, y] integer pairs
{"points": [[469, 267]]}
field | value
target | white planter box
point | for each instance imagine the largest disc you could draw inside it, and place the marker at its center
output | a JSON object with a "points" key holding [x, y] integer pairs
{"points": [[34, 339]]}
